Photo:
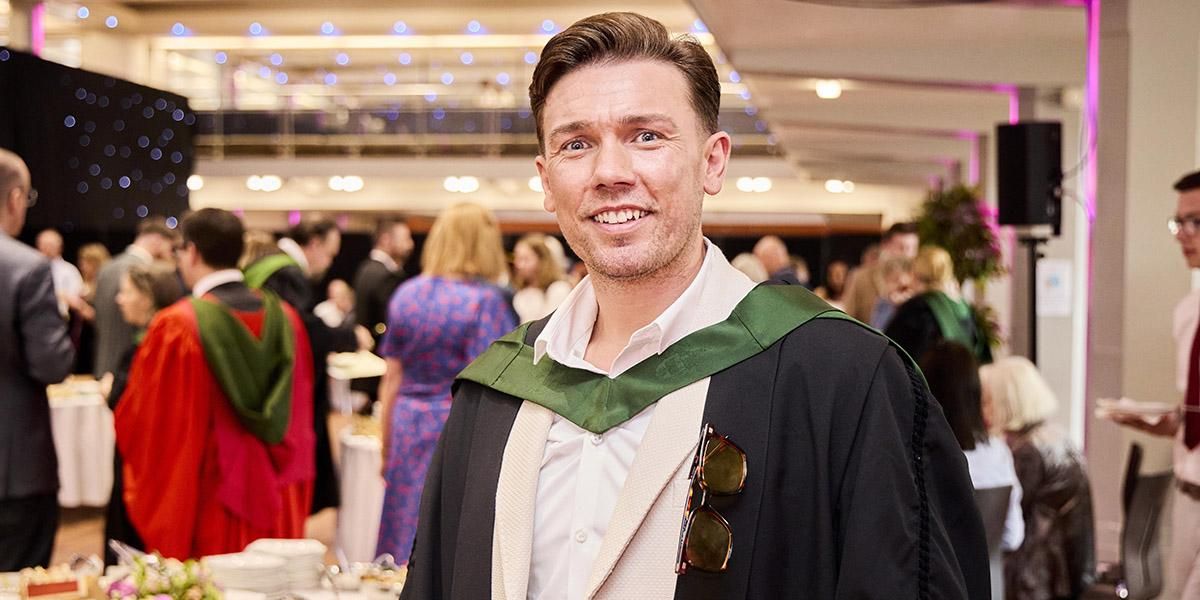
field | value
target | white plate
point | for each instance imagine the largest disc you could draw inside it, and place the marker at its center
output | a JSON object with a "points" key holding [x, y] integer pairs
{"points": [[245, 561], [1126, 405], [287, 548]]}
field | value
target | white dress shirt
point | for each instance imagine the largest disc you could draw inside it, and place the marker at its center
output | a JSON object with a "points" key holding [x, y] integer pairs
{"points": [[385, 259], [67, 282], [216, 279], [991, 466], [582, 473], [1187, 316]]}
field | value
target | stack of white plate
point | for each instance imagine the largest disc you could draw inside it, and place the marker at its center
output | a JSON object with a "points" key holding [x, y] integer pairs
{"points": [[304, 560], [249, 571]]}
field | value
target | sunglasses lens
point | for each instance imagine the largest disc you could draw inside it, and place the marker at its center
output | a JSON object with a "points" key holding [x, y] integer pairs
{"points": [[724, 467], [709, 541]]}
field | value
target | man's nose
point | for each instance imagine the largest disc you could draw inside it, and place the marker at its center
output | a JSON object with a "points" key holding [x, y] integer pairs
{"points": [[614, 165]]}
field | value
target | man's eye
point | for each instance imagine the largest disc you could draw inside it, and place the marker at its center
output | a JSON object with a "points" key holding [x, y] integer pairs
{"points": [[647, 136], [574, 145]]}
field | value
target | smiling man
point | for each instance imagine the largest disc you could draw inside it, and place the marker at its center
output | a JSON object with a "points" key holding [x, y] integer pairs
{"points": [[674, 430]]}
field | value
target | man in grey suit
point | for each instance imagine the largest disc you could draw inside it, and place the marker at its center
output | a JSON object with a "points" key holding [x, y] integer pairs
{"points": [[34, 352], [155, 241]]}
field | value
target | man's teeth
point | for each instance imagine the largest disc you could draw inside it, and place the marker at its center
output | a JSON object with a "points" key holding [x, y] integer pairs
{"points": [[618, 216]]}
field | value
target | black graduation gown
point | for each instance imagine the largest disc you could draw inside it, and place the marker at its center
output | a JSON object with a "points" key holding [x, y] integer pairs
{"points": [[856, 485]]}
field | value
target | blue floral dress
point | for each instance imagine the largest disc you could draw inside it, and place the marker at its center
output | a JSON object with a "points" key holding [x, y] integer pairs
{"points": [[436, 327]]}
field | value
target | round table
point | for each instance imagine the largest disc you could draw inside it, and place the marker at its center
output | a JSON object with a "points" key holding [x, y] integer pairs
{"points": [[84, 439]]}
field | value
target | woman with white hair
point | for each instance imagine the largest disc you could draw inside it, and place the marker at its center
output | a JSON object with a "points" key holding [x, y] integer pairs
{"points": [[1057, 559]]}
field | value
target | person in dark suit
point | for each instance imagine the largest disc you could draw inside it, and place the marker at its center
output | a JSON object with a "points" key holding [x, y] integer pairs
{"points": [[380, 275], [35, 351], [376, 279], [154, 241]]}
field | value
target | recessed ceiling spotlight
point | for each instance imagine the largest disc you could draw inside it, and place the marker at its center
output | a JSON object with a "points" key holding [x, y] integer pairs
{"points": [[847, 186], [256, 28], [548, 26], [834, 186], [327, 28], [466, 58], [761, 184], [276, 59], [404, 58], [400, 27], [829, 89], [531, 57], [195, 183], [111, 22], [82, 12], [745, 184], [342, 58], [474, 27]]}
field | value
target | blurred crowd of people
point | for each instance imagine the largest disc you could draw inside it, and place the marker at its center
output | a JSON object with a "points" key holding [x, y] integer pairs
{"points": [[428, 326]]}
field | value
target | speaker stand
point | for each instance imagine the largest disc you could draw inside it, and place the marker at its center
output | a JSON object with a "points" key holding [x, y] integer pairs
{"points": [[1033, 245]]}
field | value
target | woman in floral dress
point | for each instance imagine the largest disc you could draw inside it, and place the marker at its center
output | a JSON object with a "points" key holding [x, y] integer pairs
{"points": [[438, 323]]}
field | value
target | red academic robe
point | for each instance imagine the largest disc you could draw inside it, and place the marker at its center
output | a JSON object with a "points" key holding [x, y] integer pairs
{"points": [[197, 482]]}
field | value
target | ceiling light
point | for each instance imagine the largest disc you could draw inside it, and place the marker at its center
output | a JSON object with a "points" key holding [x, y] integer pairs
{"points": [[389, 79], [178, 29], [745, 184], [195, 183], [400, 27], [451, 184], [761, 184], [531, 57], [281, 78], [847, 186], [327, 28], [535, 184], [256, 28], [548, 26], [474, 27], [405, 58], [466, 58], [330, 79], [336, 183], [111, 22], [270, 183], [254, 183], [276, 59], [447, 78], [503, 78], [829, 89], [468, 184], [342, 58], [83, 12], [834, 186], [735, 77], [220, 58], [352, 183]]}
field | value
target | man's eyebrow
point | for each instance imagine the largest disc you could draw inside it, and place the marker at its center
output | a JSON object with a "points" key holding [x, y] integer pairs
{"points": [[648, 118], [567, 129]]}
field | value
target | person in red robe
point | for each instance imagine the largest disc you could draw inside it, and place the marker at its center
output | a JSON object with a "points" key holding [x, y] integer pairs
{"points": [[215, 426]]}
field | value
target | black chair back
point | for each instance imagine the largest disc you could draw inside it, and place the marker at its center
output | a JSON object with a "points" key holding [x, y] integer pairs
{"points": [[1141, 560], [993, 507]]}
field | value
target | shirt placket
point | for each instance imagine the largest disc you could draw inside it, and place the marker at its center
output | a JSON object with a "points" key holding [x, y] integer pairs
{"points": [[585, 534]]}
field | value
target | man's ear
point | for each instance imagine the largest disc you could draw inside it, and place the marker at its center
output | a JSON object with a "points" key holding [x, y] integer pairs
{"points": [[716, 160], [547, 198]]}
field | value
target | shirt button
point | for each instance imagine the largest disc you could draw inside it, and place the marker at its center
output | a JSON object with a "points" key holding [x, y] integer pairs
{"points": [[581, 536], [597, 438]]}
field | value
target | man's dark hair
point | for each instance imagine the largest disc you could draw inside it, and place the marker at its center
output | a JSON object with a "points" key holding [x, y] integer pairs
{"points": [[156, 226], [953, 377], [621, 37], [899, 229], [309, 229], [1188, 182], [384, 226], [217, 234]]}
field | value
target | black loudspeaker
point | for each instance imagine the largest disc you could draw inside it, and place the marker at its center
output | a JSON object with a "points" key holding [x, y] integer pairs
{"points": [[1029, 174]]}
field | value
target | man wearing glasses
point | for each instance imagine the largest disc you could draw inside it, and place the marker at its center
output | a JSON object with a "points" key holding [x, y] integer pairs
{"points": [[34, 352], [673, 430], [1184, 425]]}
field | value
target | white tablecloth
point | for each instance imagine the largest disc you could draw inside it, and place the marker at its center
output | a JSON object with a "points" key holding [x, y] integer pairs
{"points": [[84, 439], [362, 496]]}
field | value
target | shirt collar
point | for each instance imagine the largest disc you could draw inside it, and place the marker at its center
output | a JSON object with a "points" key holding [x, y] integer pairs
{"points": [[292, 249], [141, 253], [381, 256], [708, 299], [216, 279]]}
